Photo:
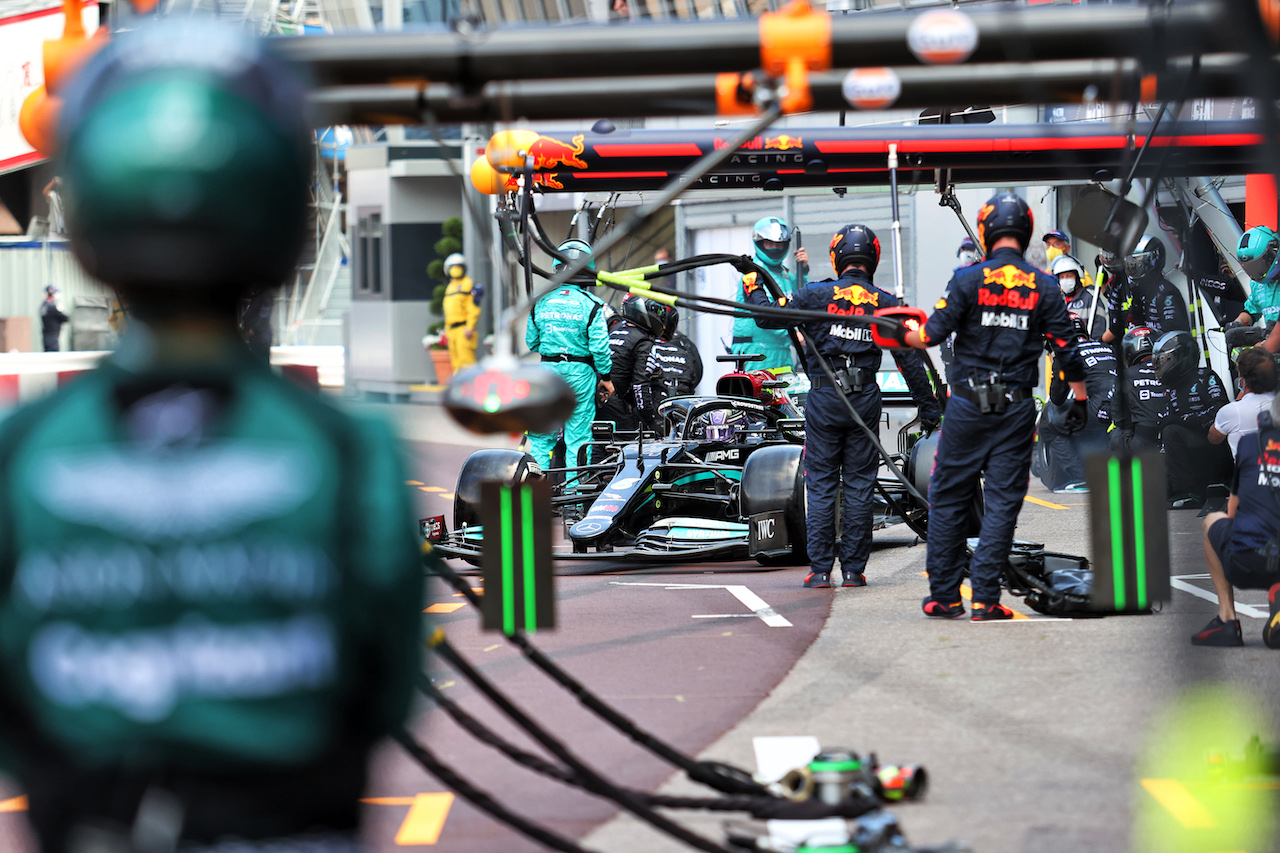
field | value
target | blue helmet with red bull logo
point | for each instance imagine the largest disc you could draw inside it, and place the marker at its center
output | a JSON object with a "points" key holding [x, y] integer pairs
{"points": [[855, 244], [1005, 215]]}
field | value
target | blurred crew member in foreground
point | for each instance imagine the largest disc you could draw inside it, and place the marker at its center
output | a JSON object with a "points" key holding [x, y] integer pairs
{"points": [[1002, 311], [211, 589]]}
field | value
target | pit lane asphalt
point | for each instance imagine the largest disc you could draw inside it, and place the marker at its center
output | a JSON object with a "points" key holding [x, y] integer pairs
{"points": [[1037, 733], [640, 648]]}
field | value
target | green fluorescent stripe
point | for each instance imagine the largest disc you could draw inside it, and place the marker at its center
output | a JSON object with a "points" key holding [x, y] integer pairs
{"points": [[526, 551], [508, 565], [1140, 533], [1117, 533]]}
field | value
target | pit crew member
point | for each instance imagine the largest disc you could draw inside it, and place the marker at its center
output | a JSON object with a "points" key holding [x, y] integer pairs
{"points": [[567, 328], [836, 450], [772, 239], [1001, 311], [1196, 395]]}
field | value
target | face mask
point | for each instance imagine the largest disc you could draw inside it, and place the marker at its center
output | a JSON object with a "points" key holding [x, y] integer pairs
{"points": [[1053, 252], [1068, 283]]}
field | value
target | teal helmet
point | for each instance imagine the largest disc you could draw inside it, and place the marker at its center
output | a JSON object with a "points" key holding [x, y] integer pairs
{"points": [[574, 249], [186, 164], [772, 238], [1259, 253]]}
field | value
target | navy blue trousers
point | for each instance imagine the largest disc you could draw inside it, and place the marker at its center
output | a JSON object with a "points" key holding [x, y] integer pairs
{"points": [[971, 445], [835, 451]]}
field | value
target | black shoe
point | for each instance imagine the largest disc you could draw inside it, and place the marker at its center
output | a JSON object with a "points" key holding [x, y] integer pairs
{"points": [[989, 612], [940, 610], [1271, 631], [853, 578], [1219, 633], [818, 580]]}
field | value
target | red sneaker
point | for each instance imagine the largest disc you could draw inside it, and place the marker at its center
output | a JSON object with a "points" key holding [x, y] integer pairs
{"points": [[989, 612], [818, 580], [940, 610]]}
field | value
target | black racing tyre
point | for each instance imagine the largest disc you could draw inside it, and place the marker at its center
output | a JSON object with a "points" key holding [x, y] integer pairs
{"points": [[773, 480], [508, 466], [920, 468]]}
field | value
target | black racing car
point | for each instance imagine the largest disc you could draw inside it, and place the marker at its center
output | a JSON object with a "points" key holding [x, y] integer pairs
{"points": [[724, 481]]}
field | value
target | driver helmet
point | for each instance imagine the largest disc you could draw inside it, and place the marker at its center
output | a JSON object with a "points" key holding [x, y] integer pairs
{"points": [[1069, 272], [722, 425], [772, 237]]}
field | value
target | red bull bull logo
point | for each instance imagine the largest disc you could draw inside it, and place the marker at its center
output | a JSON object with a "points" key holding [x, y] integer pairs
{"points": [[548, 153], [783, 142], [511, 183], [1272, 446], [1009, 277], [856, 295]]}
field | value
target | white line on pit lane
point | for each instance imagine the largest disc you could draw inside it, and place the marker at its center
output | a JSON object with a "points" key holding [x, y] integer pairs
{"points": [[757, 605], [1179, 582]]}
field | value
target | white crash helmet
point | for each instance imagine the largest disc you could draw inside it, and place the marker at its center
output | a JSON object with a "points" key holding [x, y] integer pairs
{"points": [[1064, 264]]}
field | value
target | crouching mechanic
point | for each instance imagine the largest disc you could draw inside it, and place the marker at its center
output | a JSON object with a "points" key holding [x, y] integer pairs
{"points": [[1001, 311], [836, 449], [1240, 545], [210, 585], [568, 328]]}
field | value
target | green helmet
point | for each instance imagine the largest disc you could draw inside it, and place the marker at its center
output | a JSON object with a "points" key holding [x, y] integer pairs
{"points": [[1258, 253], [574, 249], [186, 163]]}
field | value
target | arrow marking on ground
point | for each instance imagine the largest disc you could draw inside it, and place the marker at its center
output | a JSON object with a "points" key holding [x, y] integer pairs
{"points": [[757, 605]]}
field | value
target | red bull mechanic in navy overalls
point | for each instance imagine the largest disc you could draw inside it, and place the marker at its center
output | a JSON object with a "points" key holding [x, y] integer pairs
{"points": [[1001, 311], [835, 447]]}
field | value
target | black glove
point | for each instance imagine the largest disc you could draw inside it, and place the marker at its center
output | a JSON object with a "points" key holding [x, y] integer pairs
{"points": [[1077, 416], [1234, 324], [930, 421]]}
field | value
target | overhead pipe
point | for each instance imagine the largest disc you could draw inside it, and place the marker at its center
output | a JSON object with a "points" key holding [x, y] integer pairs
{"points": [[709, 47], [1061, 82]]}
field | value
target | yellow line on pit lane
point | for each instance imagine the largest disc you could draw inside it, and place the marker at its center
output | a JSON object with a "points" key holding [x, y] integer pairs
{"points": [[1043, 503], [1180, 803]]}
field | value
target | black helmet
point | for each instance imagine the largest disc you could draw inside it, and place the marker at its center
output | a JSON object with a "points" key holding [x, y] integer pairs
{"points": [[186, 164], [855, 244], [1175, 355], [1005, 215], [633, 309], [1111, 262], [1137, 345], [665, 319], [1147, 258], [772, 237]]}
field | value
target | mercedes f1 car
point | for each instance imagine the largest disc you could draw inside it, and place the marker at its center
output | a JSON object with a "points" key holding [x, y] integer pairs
{"points": [[723, 482]]}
